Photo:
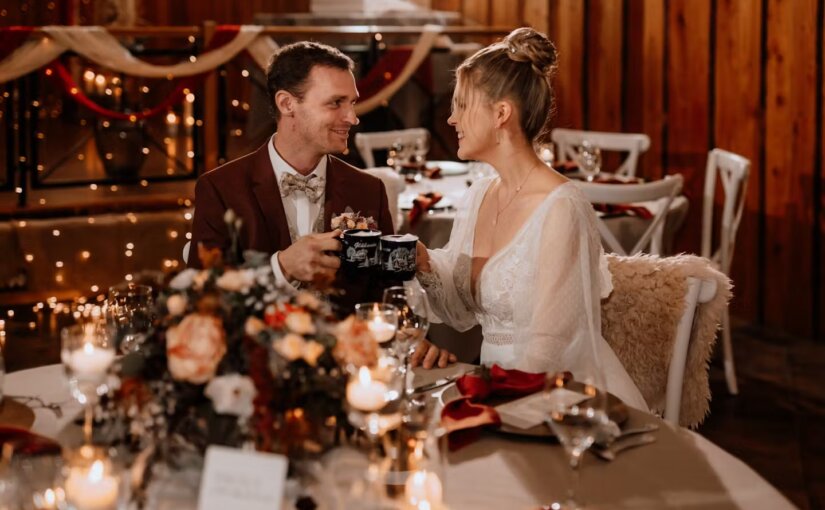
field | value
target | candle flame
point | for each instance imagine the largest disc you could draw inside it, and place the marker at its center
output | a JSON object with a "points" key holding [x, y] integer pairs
{"points": [[364, 376], [88, 348], [49, 496], [96, 471]]}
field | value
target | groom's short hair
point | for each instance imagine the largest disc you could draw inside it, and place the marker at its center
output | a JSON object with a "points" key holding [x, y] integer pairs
{"points": [[292, 64]]}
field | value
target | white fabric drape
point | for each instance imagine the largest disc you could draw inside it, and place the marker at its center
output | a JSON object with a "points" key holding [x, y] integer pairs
{"points": [[419, 53], [102, 48], [30, 56]]}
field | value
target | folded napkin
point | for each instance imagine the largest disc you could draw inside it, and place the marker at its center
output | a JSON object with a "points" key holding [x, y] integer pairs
{"points": [[27, 443], [624, 210], [464, 417], [421, 204]]}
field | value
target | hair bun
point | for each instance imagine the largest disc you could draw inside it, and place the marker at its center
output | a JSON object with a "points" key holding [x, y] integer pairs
{"points": [[527, 45]]}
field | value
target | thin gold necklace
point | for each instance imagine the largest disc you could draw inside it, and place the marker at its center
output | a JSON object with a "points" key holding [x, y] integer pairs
{"points": [[518, 189]]}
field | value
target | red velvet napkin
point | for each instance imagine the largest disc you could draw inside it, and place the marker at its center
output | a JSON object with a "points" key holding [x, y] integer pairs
{"points": [[464, 417], [27, 443], [565, 167], [433, 172], [421, 204], [624, 209]]}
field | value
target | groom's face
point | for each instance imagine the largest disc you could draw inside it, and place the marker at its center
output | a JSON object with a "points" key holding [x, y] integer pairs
{"points": [[325, 114]]}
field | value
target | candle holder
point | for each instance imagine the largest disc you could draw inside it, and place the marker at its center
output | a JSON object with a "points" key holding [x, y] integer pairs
{"points": [[39, 476], [374, 403], [381, 320], [129, 311], [94, 480], [87, 352]]}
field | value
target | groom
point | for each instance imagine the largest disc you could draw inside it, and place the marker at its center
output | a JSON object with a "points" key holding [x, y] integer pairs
{"points": [[287, 191]]}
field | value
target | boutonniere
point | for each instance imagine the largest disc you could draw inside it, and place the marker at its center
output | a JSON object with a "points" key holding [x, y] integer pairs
{"points": [[352, 219]]}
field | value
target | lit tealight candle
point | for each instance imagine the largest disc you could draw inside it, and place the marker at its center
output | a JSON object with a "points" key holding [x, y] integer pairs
{"points": [[423, 490], [365, 393], [92, 488], [381, 330], [89, 361]]}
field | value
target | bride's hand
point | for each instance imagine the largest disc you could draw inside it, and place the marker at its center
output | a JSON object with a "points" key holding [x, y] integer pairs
{"points": [[428, 355], [422, 258]]}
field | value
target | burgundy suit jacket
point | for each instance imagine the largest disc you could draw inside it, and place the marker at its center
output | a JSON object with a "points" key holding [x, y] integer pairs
{"points": [[249, 187]]}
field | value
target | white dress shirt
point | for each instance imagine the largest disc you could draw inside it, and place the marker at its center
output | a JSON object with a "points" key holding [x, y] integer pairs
{"points": [[300, 211]]}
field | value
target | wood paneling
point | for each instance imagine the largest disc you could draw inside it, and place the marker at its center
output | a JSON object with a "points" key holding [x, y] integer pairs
{"points": [[536, 14], [565, 29], [738, 128], [508, 14], [604, 66], [789, 162], [687, 103], [476, 11], [819, 256]]}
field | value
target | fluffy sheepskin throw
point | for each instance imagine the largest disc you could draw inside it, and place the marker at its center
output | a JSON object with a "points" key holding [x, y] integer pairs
{"points": [[639, 321]]}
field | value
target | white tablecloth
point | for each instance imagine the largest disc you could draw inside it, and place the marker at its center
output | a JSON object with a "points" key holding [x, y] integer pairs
{"points": [[496, 472]]}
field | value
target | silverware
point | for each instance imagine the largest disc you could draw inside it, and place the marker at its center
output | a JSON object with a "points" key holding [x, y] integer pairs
{"points": [[438, 383], [609, 452]]}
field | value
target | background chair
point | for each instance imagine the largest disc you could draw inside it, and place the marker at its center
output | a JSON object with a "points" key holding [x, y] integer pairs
{"points": [[366, 143], [660, 194], [733, 170], [393, 184], [568, 140], [661, 321]]}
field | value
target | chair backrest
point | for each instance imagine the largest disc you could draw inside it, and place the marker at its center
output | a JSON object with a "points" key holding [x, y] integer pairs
{"points": [[655, 196], [368, 142], [568, 140], [394, 184], [733, 170], [661, 321]]}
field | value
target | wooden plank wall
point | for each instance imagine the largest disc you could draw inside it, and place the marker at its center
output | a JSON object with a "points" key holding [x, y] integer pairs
{"points": [[743, 75]]}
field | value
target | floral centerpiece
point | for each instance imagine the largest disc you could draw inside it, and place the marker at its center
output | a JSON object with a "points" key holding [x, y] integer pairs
{"points": [[235, 360]]}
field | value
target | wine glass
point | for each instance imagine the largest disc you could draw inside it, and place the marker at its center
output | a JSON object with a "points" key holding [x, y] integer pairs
{"points": [[576, 414], [413, 321], [589, 160], [420, 149], [87, 351], [129, 311]]}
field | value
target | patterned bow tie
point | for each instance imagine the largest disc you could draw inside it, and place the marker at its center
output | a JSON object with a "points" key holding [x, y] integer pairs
{"points": [[312, 185]]}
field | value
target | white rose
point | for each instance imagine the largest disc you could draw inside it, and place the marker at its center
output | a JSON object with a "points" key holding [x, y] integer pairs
{"points": [[184, 279], [176, 304], [290, 347], [300, 322], [232, 394], [236, 281]]}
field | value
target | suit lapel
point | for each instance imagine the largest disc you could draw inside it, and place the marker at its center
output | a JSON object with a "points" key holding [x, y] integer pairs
{"points": [[268, 195], [335, 199]]}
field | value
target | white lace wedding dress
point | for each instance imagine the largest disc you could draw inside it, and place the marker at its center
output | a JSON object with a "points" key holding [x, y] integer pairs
{"points": [[537, 299]]}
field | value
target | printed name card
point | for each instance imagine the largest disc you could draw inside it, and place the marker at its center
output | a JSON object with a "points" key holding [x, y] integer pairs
{"points": [[532, 410], [242, 479]]}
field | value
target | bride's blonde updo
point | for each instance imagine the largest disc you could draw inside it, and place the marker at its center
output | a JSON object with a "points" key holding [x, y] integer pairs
{"points": [[519, 68]]}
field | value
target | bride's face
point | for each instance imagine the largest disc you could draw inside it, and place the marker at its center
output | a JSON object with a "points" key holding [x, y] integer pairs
{"points": [[473, 119]]}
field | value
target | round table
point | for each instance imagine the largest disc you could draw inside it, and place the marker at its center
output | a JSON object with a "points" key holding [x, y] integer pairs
{"points": [[681, 470]]}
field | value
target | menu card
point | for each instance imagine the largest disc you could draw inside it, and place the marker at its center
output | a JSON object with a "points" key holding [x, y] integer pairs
{"points": [[245, 479]]}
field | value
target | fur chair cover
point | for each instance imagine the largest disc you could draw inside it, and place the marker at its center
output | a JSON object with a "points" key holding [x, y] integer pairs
{"points": [[639, 321]]}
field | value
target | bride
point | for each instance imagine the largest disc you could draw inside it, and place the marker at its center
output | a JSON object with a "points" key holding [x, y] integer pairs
{"points": [[524, 258]]}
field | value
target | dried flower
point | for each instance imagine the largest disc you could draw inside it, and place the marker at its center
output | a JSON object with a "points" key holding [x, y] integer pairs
{"points": [[232, 394], [195, 347]]}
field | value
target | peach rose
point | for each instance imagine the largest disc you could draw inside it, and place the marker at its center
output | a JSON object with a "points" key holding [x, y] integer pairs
{"points": [[236, 281], [195, 347], [176, 304], [300, 322], [253, 326]]}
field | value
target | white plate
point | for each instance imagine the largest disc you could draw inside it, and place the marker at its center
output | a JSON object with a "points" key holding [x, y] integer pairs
{"points": [[405, 202], [450, 167]]}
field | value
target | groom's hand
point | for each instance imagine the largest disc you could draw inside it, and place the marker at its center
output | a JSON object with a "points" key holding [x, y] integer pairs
{"points": [[306, 259], [428, 355]]}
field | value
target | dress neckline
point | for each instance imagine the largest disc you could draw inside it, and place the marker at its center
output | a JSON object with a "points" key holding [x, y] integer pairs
{"points": [[474, 285]]}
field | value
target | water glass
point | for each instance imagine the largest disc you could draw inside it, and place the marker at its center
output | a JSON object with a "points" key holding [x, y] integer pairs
{"points": [[589, 160], [413, 319], [129, 309]]}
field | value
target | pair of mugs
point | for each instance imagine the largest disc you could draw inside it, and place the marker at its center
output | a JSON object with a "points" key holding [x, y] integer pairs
{"points": [[367, 251]]}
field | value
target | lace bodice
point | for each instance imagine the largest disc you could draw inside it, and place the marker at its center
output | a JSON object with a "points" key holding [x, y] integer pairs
{"points": [[537, 299]]}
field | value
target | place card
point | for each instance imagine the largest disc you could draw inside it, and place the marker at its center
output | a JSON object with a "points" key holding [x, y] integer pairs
{"points": [[245, 479], [532, 410]]}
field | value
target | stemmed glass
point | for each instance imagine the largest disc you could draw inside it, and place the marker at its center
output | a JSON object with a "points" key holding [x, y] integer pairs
{"points": [[413, 321], [381, 320], [87, 351], [589, 160], [129, 311], [420, 150], [576, 418]]}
